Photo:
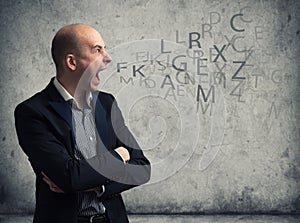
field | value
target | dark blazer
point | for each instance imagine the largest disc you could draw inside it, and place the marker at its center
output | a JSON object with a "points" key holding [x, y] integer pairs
{"points": [[44, 128]]}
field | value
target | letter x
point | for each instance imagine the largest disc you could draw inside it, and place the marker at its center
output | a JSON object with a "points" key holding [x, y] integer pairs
{"points": [[219, 53]]}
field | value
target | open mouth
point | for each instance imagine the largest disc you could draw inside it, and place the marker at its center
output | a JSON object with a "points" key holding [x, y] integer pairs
{"points": [[98, 75]]}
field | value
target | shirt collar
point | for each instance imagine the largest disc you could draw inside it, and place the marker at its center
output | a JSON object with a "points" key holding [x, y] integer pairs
{"points": [[66, 95]]}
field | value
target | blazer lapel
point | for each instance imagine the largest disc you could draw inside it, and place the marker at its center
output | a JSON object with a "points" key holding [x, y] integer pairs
{"points": [[59, 104], [64, 110], [101, 122], [61, 107]]}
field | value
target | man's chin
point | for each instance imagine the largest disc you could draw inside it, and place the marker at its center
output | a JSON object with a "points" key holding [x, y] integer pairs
{"points": [[94, 87]]}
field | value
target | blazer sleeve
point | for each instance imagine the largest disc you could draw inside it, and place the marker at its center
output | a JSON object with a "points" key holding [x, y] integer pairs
{"points": [[48, 154]]}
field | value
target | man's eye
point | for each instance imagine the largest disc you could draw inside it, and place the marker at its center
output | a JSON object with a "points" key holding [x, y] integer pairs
{"points": [[98, 50]]}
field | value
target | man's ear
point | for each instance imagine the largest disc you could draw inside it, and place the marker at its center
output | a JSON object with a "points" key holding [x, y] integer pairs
{"points": [[71, 62]]}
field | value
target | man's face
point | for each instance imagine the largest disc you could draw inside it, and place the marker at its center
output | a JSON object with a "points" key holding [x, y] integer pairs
{"points": [[92, 59]]}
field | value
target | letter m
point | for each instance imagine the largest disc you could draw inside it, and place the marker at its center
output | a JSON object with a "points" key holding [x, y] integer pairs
{"points": [[211, 91]]}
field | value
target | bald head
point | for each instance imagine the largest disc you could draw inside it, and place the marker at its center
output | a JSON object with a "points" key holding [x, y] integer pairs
{"points": [[69, 40], [79, 54]]}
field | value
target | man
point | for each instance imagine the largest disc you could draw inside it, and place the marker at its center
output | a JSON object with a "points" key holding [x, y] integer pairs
{"points": [[75, 137]]}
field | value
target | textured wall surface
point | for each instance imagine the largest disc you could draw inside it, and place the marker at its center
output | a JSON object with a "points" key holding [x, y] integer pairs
{"points": [[222, 133]]}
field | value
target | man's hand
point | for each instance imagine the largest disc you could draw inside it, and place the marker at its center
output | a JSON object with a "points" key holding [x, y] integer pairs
{"points": [[53, 187], [123, 152]]}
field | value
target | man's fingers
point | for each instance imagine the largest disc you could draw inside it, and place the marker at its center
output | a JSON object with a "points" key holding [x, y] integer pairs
{"points": [[53, 187], [45, 176], [56, 189], [47, 180], [123, 152]]}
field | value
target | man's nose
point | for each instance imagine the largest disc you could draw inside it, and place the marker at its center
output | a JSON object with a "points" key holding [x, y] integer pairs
{"points": [[107, 58]]}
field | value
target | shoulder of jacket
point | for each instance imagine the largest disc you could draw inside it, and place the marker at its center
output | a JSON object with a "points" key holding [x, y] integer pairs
{"points": [[36, 101], [37, 98]]}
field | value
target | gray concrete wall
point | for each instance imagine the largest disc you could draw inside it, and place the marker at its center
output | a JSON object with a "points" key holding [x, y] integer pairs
{"points": [[235, 149]]}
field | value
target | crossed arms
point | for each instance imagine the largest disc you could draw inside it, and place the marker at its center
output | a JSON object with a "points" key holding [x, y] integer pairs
{"points": [[47, 141]]}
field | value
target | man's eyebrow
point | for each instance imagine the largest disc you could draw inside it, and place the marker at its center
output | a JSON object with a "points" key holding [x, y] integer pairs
{"points": [[98, 46]]}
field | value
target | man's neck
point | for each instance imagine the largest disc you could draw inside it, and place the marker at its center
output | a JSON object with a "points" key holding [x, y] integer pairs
{"points": [[81, 101], [79, 95]]}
